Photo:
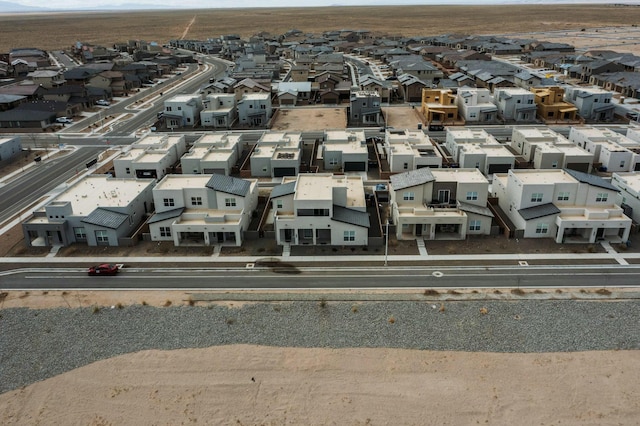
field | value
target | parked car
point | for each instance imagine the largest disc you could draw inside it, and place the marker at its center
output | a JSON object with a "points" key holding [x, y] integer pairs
{"points": [[102, 102], [64, 120], [104, 269]]}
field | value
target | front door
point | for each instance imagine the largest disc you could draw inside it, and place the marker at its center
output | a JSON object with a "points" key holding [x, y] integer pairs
{"points": [[418, 230], [287, 235]]}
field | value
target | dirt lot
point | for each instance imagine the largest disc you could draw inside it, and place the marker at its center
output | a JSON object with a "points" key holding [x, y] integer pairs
{"points": [[305, 119], [63, 30], [401, 118]]}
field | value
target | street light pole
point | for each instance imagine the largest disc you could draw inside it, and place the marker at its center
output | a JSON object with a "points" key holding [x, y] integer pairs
{"points": [[386, 243]]}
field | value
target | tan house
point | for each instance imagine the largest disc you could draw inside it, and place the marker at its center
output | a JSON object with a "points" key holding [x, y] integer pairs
{"points": [[249, 85], [551, 105], [47, 78], [439, 105]]}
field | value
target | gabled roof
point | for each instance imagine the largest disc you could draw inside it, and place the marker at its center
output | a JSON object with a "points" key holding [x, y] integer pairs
{"points": [[412, 178], [591, 180], [284, 189], [169, 214], [352, 217], [229, 185], [539, 211], [106, 218]]}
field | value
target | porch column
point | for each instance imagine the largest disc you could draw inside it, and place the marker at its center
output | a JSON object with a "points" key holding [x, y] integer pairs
{"points": [[625, 234], [207, 241], [176, 237]]}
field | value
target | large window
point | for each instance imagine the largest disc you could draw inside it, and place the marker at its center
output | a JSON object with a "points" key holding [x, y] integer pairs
{"points": [[536, 197], [408, 196], [472, 196], [80, 233], [542, 228], [165, 231], [230, 202], [196, 201], [349, 235], [602, 197], [474, 225], [169, 202], [101, 236], [313, 212]]}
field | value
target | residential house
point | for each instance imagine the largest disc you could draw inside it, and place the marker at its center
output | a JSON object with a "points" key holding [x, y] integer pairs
{"points": [[316, 209], [629, 195], [97, 210], [10, 147], [8, 102], [597, 67], [247, 86], [626, 83], [202, 210], [255, 110], [476, 105], [439, 105], [549, 155], [384, 88], [474, 148], [411, 87], [365, 108], [524, 139], [611, 151], [565, 205], [47, 78], [182, 111], [219, 111], [344, 151], [277, 154], [593, 103], [213, 153], [294, 93], [153, 156], [551, 106], [434, 204], [515, 104], [409, 150]]}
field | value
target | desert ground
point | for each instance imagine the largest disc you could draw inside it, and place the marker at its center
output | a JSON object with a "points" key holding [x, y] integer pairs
{"points": [[55, 31], [256, 385]]}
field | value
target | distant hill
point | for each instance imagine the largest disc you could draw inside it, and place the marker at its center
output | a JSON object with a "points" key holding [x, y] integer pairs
{"points": [[8, 7]]}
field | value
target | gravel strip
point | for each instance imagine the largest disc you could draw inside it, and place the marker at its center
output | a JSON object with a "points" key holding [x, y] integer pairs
{"points": [[37, 344]]}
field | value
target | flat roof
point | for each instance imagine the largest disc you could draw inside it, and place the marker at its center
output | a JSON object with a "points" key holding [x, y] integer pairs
{"points": [[469, 135], [394, 136], [459, 175], [285, 138], [544, 176], [319, 187], [537, 133], [344, 135], [219, 139], [630, 179], [95, 191], [353, 147], [183, 181]]}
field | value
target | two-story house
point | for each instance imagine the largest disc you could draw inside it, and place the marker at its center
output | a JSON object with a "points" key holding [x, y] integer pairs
{"points": [[593, 103], [202, 210], [150, 157], [97, 210], [476, 105], [213, 153], [182, 111], [515, 104], [317, 209], [365, 108], [219, 111], [440, 204], [409, 150], [255, 110], [439, 105], [551, 106], [475, 148], [277, 154], [565, 205], [344, 150], [611, 151]]}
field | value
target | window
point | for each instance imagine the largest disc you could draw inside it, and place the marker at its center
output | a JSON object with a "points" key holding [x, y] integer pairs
{"points": [[408, 196], [443, 196], [349, 235], [102, 237], [196, 201], [474, 225], [230, 202], [179, 108], [405, 166], [542, 228], [563, 196], [168, 202], [607, 101], [472, 196], [80, 233], [622, 163], [279, 204], [165, 231], [554, 165], [530, 101], [550, 114], [128, 171], [333, 161], [472, 115], [518, 101], [602, 197], [263, 107], [313, 212], [168, 108], [536, 197]]}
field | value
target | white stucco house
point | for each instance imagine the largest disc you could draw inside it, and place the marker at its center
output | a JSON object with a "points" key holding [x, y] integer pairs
{"points": [[153, 156]]}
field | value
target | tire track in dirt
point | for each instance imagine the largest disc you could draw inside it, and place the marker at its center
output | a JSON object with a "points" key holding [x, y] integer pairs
{"points": [[186, 30]]}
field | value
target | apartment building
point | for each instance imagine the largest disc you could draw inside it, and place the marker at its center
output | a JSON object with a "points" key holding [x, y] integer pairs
{"points": [[202, 210], [440, 204], [321, 208], [565, 205]]}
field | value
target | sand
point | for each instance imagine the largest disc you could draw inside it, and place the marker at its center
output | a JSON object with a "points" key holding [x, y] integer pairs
{"points": [[265, 385]]}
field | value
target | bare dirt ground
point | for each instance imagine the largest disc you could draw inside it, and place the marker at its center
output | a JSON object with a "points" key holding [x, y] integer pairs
{"points": [[63, 30], [243, 384], [401, 118], [306, 119]]}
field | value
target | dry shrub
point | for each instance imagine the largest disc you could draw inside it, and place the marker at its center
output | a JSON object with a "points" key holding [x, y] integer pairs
{"points": [[454, 292], [518, 291], [23, 295], [392, 320], [442, 309], [497, 292], [119, 305], [603, 292], [431, 292], [230, 321], [96, 309], [322, 303], [484, 311], [167, 303], [354, 309]]}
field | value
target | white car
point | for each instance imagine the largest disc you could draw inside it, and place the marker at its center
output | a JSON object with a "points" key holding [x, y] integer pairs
{"points": [[64, 120], [102, 102]]}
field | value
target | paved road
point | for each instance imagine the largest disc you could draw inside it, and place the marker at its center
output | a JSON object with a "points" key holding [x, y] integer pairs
{"points": [[290, 277]]}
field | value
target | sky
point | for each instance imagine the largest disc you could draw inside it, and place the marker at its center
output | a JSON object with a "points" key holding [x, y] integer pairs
{"points": [[70, 4]]}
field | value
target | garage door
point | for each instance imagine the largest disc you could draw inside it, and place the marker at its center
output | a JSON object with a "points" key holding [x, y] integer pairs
{"points": [[355, 166], [213, 171], [578, 167], [284, 171], [499, 168]]}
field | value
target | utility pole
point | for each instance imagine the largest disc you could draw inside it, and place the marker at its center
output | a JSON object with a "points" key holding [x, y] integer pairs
{"points": [[386, 243]]}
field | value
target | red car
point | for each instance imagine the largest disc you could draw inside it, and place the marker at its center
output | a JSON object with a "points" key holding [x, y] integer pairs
{"points": [[104, 269]]}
